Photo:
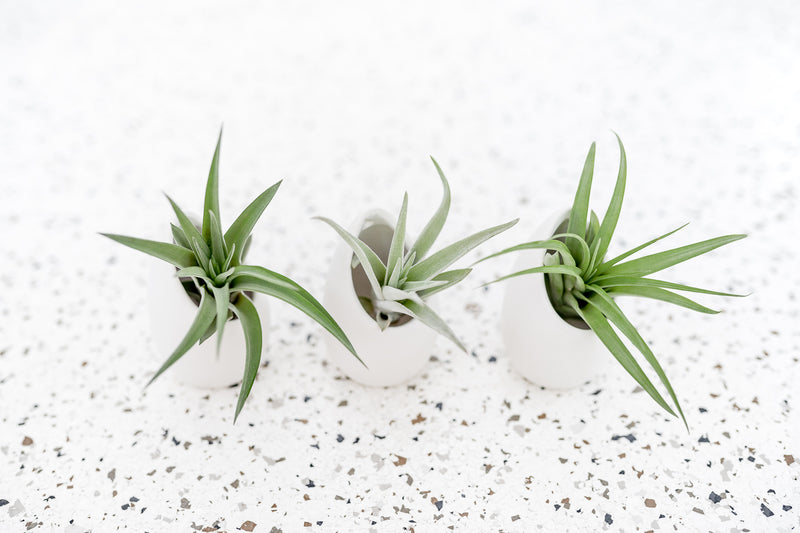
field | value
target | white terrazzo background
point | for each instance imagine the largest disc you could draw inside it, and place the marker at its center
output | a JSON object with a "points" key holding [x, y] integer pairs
{"points": [[105, 106]]}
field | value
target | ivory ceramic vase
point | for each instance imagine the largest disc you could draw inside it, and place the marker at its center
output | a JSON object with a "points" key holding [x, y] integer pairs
{"points": [[541, 345], [172, 312], [392, 356]]}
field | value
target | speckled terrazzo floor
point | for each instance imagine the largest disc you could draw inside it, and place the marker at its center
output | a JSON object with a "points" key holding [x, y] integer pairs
{"points": [[104, 107]]}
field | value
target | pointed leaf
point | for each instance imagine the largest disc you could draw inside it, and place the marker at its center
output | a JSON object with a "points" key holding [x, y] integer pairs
{"points": [[427, 316], [393, 263], [606, 305], [632, 281], [218, 249], [615, 205], [663, 295], [661, 260], [211, 204], [203, 319], [189, 229], [580, 206], [179, 237], [599, 324], [434, 226], [222, 297], [171, 253], [551, 244], [239, 232], [442, 259], [603, 268], [251, 326], [572, 271], [259, 279], [373, 266], [445, 280]]}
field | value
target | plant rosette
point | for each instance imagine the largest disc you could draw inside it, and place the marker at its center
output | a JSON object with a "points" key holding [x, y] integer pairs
{"points": [[380, 286], [210, 281], [581, 287]]}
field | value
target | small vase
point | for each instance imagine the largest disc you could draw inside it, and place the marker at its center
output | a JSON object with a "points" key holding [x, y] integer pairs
{"points": [[172, 312], [542, 346], [394, 355]]}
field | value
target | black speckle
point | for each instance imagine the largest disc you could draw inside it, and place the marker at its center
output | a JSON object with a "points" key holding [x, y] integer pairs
{"points": [[439, 405], [771, 491], [5, 502], [598, 391], [704, 438], [703, 410], [305, 399], [766, 511], [557, 506], [751, 459], [319, 522], [134, 499], [493, 359], [339, 438], [630, 438], [439, 505], [785, 507], [714, 497], [125, 507], [175, 441], [310, 484], [608, 519]]}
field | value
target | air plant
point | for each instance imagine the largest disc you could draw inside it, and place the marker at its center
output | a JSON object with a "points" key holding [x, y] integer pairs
{"points": [[401, 285], [209, 263], [582, 284]]}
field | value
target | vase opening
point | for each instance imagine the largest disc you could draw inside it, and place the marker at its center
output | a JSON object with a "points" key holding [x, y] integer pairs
{"points": [[573, 321]]}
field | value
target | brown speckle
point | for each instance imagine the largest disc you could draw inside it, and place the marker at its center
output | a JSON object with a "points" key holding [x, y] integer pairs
{"points": [[418, 419], [649, 502], [248, 526], [27, 441]]}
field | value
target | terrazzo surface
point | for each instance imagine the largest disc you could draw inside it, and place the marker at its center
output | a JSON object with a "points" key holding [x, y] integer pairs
{"points": [[105, 106]]}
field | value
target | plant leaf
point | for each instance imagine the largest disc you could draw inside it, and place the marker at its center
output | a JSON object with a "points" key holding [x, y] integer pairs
{"points": [[661, 260], [580, 206], [573, 271], [259, 279], [445, 281], [663, 295], [427, 316], [188, 227], [594, 228], [551, 244], [442, 259], [615, 205], [241, 228], [632, 281], [203, 319], [218, 249], [193, 272], [171, 253], [222, 298], [603, 268], [211, 204], [179, 237], [606, 305], [599, 324], [251, 326], [394, 261], [373, 266], [434, 226], [393, 293]]}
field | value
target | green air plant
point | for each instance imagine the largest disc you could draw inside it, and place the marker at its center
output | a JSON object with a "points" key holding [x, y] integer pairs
{"points": [[582, 284], [401, 285], [220, 284]]}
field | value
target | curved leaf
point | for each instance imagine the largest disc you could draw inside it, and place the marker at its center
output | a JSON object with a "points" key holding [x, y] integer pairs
{"points": [[580, 206], [171, 253], [615, 205], [212, 192], [251, 326], [434, 226], [241, 228]]}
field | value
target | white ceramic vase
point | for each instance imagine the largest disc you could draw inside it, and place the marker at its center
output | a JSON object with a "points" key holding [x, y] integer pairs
{"points": [[392, 356], [171, 314], [542, 346]]}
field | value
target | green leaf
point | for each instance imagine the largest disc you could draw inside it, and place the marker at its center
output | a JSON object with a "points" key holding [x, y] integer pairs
{"points": [[661, 260], [615, 205], [188, 228], [427, 316], [551, 244], [663, 295], [211, 204], [193, 272], [442, 259], [599, 324], [393, 293], [171, 253], [434, 226], [373, 266], [445, 280], [580, 206], [421, 285], [222, 297], [606, 305], [179, 237], [632, 281], [203, 319], [572, 271], [239, 232], [251, 326], [603, 268], [218, 249], [203, 259], [583, 258], [394, 261], [594, 228], [259, 279]]}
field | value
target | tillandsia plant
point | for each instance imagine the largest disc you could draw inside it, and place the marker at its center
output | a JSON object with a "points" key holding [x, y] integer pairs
{"points": [[401, 285], [582, 284], [210, 262]]}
